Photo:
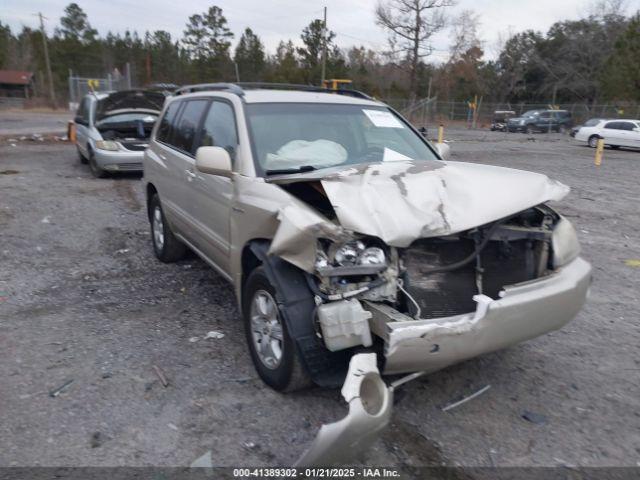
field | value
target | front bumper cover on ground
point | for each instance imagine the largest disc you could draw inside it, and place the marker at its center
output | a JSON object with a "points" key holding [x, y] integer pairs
{"points": [[370, 404]]}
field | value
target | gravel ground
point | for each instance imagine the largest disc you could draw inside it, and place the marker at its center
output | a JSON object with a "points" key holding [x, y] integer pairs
{"points": [[17, 123], [83, 299]]}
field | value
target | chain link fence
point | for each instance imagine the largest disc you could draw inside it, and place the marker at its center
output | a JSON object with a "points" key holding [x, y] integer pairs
{"points": [[80, 86], [430, 111]]}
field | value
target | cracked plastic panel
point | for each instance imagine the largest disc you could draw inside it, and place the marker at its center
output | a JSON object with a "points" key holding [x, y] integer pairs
{"points": [[370, 404]]}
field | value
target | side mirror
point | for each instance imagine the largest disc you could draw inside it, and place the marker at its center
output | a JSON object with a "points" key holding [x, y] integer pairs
{"points": [[79, 120], [213, 161], [443, 149], [423, 131]]}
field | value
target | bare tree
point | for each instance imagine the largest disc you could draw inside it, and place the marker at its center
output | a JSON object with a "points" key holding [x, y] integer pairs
{"points": [[464, 34], [411, 23]]}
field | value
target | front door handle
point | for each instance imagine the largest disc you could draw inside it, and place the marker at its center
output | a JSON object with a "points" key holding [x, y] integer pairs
{"points": [[190, 175]]}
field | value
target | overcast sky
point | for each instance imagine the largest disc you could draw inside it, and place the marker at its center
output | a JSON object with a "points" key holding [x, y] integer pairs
{"points": [[275, 20]]}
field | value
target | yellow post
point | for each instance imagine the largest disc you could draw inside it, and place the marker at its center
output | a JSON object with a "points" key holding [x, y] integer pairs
{"points": [[441, 134], [71, 131], [599, 150]]}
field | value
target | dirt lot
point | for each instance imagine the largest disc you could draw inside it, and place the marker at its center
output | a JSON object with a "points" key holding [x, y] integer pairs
{"points": [[82, 298], [16, 123]]}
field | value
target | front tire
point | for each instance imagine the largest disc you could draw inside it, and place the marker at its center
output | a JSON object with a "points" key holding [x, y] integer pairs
{"points": [[166, 246], [593, 141], [272, 350], [96, 171], [81, 157], [529, 130]]}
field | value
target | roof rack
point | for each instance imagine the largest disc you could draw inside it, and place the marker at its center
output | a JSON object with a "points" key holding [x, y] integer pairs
{"points": [[239, 88], [203, 87]]}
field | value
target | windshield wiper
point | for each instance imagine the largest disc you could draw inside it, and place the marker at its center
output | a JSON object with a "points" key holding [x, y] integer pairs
{"points": [[284, 171]]}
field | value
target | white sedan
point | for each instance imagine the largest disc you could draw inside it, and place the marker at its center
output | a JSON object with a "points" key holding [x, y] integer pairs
{"points": [[616, 133]]}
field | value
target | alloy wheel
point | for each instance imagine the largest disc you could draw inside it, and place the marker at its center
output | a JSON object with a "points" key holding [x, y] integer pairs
{"points": [[158, 228], [266, 329]]}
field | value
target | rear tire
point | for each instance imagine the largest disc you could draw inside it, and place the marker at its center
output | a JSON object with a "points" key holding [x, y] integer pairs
{"points": [[96, 171], [166, 246], [272, 350]]}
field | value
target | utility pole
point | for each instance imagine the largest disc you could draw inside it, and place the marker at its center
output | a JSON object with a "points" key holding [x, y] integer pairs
{"points": [[324, 47], [52, 93]]}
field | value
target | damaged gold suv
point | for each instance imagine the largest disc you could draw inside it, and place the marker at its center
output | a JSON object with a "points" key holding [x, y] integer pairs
{"points": [[344, 232]]}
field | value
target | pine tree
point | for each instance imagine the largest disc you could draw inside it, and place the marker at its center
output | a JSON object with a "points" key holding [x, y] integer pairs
{"points": [[250, 57]]}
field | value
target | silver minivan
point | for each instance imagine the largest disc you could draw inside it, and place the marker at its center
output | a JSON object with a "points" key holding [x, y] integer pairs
{"points": [[113, 129]]}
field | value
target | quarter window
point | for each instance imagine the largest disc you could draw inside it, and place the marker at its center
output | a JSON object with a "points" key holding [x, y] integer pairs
{"points": [[219, 128]]}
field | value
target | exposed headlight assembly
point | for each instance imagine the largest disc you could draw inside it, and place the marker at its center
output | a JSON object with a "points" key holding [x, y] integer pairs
{"points": [[564, 243], [349, 253], [107, 145], [351, 258]]}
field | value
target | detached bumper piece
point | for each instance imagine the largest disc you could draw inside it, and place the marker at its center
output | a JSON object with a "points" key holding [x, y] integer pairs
{"points": [[370, 404]]}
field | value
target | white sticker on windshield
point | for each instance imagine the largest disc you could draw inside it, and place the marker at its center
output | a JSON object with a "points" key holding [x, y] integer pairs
{"points": [[383, 119], [390, 155]]}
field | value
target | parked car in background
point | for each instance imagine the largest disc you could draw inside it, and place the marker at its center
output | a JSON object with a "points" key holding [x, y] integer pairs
{"points": [[541, 121], [500, 118], [589, 123], [113, 129], [616, 133]]}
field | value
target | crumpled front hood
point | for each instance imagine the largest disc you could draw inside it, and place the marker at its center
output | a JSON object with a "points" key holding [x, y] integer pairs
{"points": [[402, 201]]}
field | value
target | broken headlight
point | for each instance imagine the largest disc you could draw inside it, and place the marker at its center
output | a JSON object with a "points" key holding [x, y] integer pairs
{"points": [[564, 243], [350, 258], [372, 256], [349, 253]]}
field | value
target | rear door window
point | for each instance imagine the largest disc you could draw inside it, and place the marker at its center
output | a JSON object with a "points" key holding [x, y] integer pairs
{"points": [[219, 128], [186, 127]]}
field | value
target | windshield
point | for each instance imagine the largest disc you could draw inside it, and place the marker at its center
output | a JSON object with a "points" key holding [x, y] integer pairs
{"points": [[531, 113], [295, 137], [132, 117], [592, 123]]}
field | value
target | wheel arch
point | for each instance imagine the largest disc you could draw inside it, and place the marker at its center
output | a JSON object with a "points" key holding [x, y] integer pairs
{"points": [[594, 135], [297, 305]]}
